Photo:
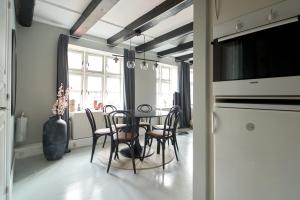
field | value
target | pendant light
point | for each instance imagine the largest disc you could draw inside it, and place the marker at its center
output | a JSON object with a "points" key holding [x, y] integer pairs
{"points": [[130, 63], [144, 64]]}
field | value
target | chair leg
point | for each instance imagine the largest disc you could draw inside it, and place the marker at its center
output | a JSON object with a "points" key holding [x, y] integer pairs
{"points": [[111, 154], [117, 152], [174, 143], [163, 153], [93, 147], [150, 143], [133, 158], [145, 144], [158, 147], [104, 141]]}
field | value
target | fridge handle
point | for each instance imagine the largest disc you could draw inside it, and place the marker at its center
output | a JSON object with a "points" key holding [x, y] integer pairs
{"points": [[214, 122]]}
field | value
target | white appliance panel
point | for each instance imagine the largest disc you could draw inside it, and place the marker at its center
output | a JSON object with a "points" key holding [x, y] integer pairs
{"points": [[256, 154]]}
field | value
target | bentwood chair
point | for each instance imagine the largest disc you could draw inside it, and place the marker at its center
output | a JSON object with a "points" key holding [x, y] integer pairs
{"points": [[97, 133], [145, 122], [161, 126], [165, 134], [106, 110], [122, 135]]}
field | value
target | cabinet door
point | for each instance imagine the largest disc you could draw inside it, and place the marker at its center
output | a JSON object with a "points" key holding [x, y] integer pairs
{"points": [[3, 69], [256, 154], [2, 154], [224, 10]]}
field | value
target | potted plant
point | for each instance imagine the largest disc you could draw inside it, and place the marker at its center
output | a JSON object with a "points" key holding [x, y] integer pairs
{"points": [[55, 129]]}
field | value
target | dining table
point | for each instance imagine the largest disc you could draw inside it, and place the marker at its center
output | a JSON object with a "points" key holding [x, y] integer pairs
{"points": [[138, 148]]}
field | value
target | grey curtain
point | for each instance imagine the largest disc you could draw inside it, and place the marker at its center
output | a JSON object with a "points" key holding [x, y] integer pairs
{"points": [[185, 95], [129, 82], [63, 75]]}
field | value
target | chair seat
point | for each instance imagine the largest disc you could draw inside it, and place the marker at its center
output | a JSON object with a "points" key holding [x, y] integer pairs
{"points": [[121, 125], [158, 133], [161, 127], [123, 136], [144, 124], [102, 131]]}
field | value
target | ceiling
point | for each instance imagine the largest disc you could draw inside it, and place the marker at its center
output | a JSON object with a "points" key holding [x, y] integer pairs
{"points": [[66, 13]]}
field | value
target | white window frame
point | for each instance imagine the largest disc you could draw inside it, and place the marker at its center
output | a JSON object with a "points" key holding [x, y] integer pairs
{"points": [[85, 73], [160, 80]]}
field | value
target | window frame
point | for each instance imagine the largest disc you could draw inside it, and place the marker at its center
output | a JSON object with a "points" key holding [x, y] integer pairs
{"points": [[84, 72], [160, 80]]}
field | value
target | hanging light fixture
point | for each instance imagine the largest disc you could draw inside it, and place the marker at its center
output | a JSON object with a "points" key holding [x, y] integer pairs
{"points": [[116, 59], [144, 64], [130, 63], [155, 65]]}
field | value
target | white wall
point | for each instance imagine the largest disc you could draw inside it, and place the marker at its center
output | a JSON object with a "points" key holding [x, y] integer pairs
{"points": [[36, 78], [202, 102]]}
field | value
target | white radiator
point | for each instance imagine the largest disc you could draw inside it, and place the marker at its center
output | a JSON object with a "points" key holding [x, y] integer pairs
{"points": [[80, 125]]}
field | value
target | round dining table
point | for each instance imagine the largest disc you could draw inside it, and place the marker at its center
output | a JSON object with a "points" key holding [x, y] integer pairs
{"points": [[138, 149]]}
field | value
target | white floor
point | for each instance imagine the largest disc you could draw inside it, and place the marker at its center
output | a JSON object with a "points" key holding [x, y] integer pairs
{"points": [[75, 178]]}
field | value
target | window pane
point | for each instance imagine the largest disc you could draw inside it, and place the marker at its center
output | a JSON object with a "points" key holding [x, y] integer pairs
{"points": [[95, 63], [165, 87], [75, 96], [75, 82], [114, 98], [113, 85], [112, 66], [94, 83], [91, 97], [165, 73], [74, 60]]}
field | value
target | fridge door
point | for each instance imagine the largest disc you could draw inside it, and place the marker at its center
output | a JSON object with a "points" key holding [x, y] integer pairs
{"points": [[256, 154]]}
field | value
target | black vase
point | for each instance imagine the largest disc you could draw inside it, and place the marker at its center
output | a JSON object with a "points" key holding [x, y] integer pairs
{"points": [[54, 138]]}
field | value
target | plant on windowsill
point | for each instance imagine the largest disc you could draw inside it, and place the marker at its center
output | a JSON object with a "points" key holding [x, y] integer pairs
{"points": [[55, 129]]}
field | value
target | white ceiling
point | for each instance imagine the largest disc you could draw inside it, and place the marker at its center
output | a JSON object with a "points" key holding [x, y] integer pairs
{"points": [[65, 13]]}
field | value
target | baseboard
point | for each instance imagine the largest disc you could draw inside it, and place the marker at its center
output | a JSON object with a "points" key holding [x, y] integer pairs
{"points": [[37, 148]]}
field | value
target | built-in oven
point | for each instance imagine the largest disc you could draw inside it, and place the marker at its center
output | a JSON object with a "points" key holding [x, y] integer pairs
{"points": [[264, 61]]}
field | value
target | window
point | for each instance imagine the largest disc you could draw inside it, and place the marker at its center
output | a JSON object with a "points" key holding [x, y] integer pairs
{"points": [[191, 86], [166, 85], [94, 77]]}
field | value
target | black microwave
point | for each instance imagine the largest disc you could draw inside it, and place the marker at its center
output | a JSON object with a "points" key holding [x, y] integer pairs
{"points": [[265, 52]]}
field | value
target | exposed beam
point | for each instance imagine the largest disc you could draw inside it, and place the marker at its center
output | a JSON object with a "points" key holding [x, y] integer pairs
{"points": [[161, 12], [178, 49], [91, 15], [184, 57], [163, 39]]}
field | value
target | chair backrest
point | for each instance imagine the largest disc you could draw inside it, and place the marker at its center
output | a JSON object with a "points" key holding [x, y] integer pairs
{"points": [[171, 121], [109, 108], [145, 108], [129, 125], [91, 119]]}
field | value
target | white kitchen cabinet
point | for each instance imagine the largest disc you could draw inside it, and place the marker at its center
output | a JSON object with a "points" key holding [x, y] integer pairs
{"points": [[237, 16], [256, 154]]}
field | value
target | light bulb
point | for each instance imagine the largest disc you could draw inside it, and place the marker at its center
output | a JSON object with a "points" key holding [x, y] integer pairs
{"points": [[144, 65], [130, 64]]}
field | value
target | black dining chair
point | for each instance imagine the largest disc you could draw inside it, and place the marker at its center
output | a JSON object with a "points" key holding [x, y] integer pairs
{"points": [[122, 135], [165, 134], [97, 133], [108, 109], [145, 122]]}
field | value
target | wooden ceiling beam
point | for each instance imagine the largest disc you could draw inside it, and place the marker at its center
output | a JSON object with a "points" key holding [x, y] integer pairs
{"points": [[178, 49], [91, 15], [163, 39], [161, 12], [184, 57]]}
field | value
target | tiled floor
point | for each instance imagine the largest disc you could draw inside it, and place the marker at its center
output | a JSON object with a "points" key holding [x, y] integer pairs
{"points": [[75, 178]]}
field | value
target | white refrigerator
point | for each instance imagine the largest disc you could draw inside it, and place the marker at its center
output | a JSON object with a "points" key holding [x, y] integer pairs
{"points": [[256, 152]]}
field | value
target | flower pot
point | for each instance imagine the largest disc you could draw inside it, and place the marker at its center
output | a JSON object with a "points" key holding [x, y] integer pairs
{"points": [[54, 138]]}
